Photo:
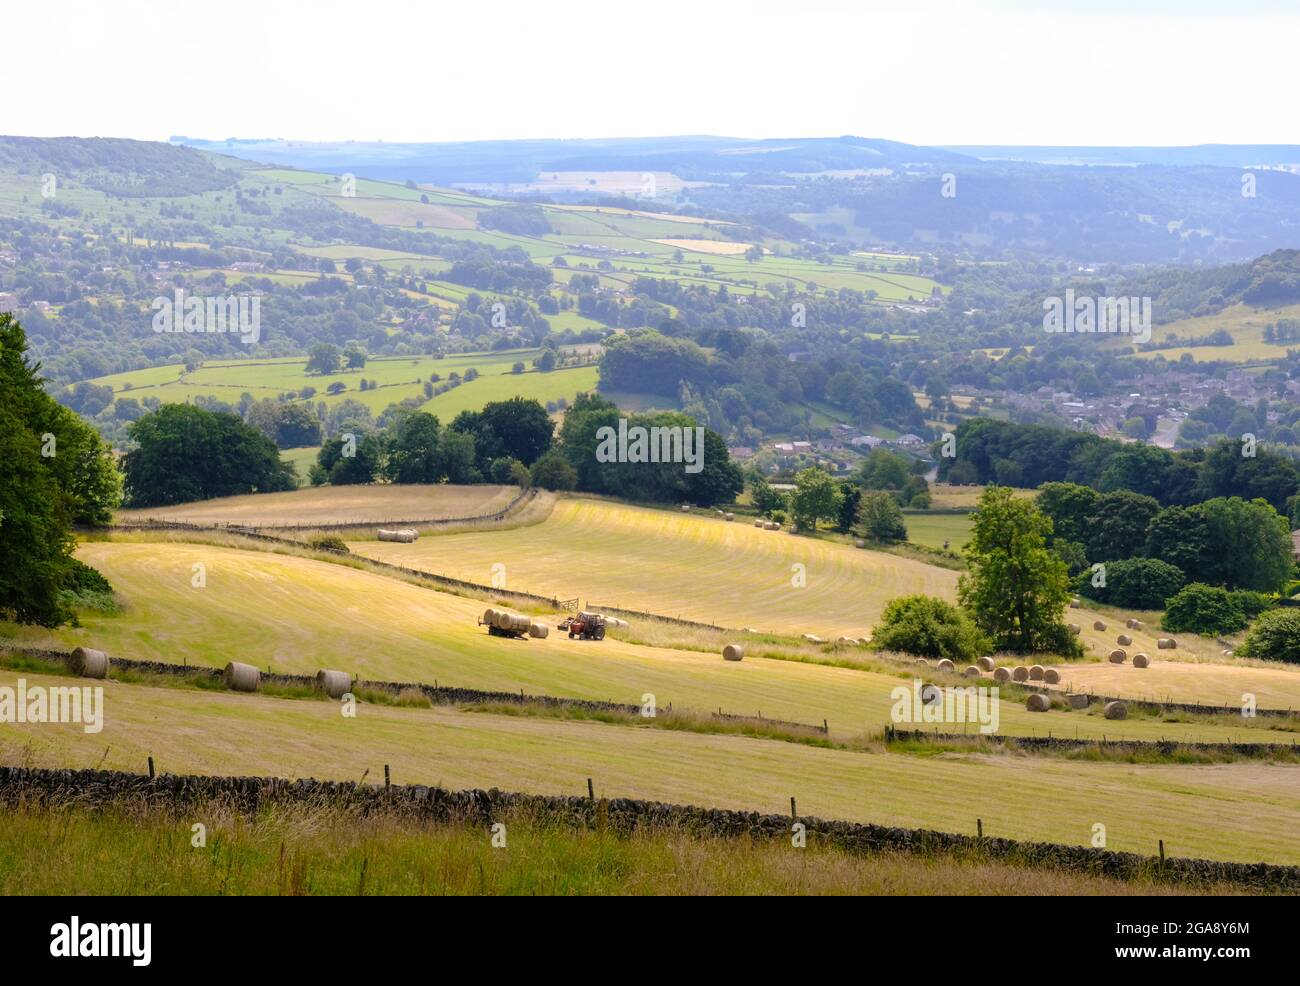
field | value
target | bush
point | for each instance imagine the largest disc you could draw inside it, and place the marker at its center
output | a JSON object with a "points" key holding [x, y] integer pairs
{"points": [[554, 472], [1134, 583], [929, 627], [1274, 637], [1252, 603], [81, 578], [328, 542], [1205, 609]]}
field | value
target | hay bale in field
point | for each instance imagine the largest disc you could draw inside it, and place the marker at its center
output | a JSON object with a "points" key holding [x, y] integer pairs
{"points": [[1074, 603], [241, 677], [1075, 629], [538, 630], [1115, 710], [1099, 625], [1124, 640], [86, 662], [335, 684], [1167, 643], [946, 665], [846, 641], [514, 622], [751, 629], [1051, 676], [1133, 624], [1038, 702], [1141, 661], [859, 543], [404, 534], [1118, 656], [490, 616], [1020, 673], [972, 671], [1077, 701], [686, 508], [1001, 674], [728, 516], [771, 525], [758, 522], [733, 652], [987, 663], [1036, 672]]}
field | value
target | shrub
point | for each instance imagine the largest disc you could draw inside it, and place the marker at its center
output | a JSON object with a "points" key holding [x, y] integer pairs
{"points": [[1206, 609], [928, 627], [1252, 603], [1274, 637], [328, 542], [1135, 583]]}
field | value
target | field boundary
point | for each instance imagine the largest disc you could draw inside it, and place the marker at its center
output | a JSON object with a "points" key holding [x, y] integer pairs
{"points": [[1164, 747], [29, 786]]}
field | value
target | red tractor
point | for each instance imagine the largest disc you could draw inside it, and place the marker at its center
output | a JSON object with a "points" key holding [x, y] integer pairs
{"points": [[585, 626]]}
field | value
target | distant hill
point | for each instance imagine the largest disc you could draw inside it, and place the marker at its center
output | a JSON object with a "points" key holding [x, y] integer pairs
{"points": [[120, 167], [1213, 155]]}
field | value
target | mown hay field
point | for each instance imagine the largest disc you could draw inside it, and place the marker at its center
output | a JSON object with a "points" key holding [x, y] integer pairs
{"points": [[335, 505], [299, 615], [1242, 812], [694, 566]]}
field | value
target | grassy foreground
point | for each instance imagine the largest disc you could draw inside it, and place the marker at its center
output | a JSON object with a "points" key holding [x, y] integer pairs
{"points": [[300, 851]]}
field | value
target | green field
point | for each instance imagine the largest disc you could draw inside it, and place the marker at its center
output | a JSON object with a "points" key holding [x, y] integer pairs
{"points": [[1245, 323]]}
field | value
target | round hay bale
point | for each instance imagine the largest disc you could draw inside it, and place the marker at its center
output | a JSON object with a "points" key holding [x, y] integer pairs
{"points": [[846, 641], [1133, 624], [946, 665], [1036, 672], [1001, 674], [241, 677], [86, 662], [686, 508], [1075, 629], [987, 663], [1115, 710], [490, 617], [733, 652], [1074, 603], [972, 671], [1038, 703], [1020, 673], [538, 630], [1099, 625], [758, 522], [771, 525], [1118, 656], [1141, 661], [923, 660], [1051, 676], [1124, 640], [729, 516], [335, 684], [859, 543], [1077, 701], [1167, 643]]}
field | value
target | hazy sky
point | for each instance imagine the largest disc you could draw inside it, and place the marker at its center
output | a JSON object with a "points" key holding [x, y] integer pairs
{"points": [[1088, 72]]}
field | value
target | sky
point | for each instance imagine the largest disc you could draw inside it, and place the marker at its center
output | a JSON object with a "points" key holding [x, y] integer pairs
{"points": [[1093, 72]]}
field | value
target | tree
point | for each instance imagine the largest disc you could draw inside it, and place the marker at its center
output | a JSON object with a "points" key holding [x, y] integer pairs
{"points": [[1016, 589], [517, 428], [880, 518], [413, 450], [354, 356], [323, 357], [764, 498], [1274, 637], [341, 462], [553, 472], [1118, 525], [850, 500], [1070, 507], [816, 497], [184, 453], [928, 627], [1207, 609], [1249, 544], [1133, 583]]}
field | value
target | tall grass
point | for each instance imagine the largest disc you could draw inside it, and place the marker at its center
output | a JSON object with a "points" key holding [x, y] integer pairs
{"points": [[302, 850]]}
